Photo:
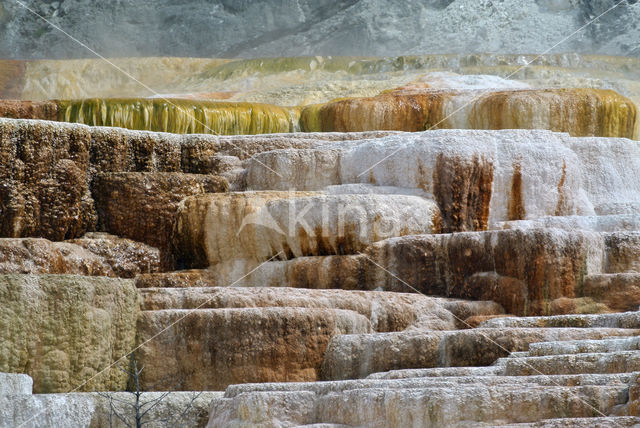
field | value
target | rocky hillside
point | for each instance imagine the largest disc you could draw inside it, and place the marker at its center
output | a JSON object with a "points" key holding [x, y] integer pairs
{"points": [[233, 28]]}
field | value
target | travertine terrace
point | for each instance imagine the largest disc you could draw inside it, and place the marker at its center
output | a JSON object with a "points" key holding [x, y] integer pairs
{"points": [[363, 242]]}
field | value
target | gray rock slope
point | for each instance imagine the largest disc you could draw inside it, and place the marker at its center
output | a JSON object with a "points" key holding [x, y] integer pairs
{"points": [[262, 28]]}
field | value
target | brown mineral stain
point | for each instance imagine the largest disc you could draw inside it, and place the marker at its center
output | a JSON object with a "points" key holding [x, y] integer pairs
{"points": [[423, 177], [463, 189], [15, 109], [515, 207], [580, 112], [562, 207]]}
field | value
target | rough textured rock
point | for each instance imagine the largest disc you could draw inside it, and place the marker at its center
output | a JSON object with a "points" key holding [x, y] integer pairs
{"points": [[142, 206], [623, 252], [551, 175], [357, 356], [63, 330], [385, 311], [126, 258], [262, 225], [620, 292], [93, 255], [215, 228], [580, 112], [583, 346], [560, 372], [318, 28], [600, 223], [45, 182], [404, 407], [176, 279], [93, 409], [205, 351], [621, 320], [610, 362], [14, 109], [15, 384], [522, 271], [121, 150]]}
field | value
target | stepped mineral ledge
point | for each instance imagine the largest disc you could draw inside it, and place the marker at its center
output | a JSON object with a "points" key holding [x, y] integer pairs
{"points": [[353, 256]]}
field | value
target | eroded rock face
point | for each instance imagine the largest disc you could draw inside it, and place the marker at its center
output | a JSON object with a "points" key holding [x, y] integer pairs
{"points": [[126, 258], [550, 175], [359, 355], [121, 150], [44, 173], [580, 112], [277, 344], [521, 271], [623, 251], [62, 330], [142, 206], [380, 407], [92, 255], [385, 311], [620, 292], [215, 228], [15, 109], [259, 226]]}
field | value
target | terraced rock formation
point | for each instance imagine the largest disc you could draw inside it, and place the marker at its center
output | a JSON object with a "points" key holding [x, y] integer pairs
{"points": [[445, 277]]}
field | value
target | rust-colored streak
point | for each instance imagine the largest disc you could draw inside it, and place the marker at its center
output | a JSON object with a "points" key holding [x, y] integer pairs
{"points": [[515, 207], [387, 111], [463, 189], [563, 205], [12, 78], [580, 112]]}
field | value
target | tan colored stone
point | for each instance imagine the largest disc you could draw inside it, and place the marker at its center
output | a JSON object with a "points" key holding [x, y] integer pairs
{"points": [[620, 292], [580, 112], [123, 150], [177, 279], [63, 330], [14, 109], [358, 355], [580, 305], [212, 228], [213, 348], [386, 311], [259, 226], [12, 77]]}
